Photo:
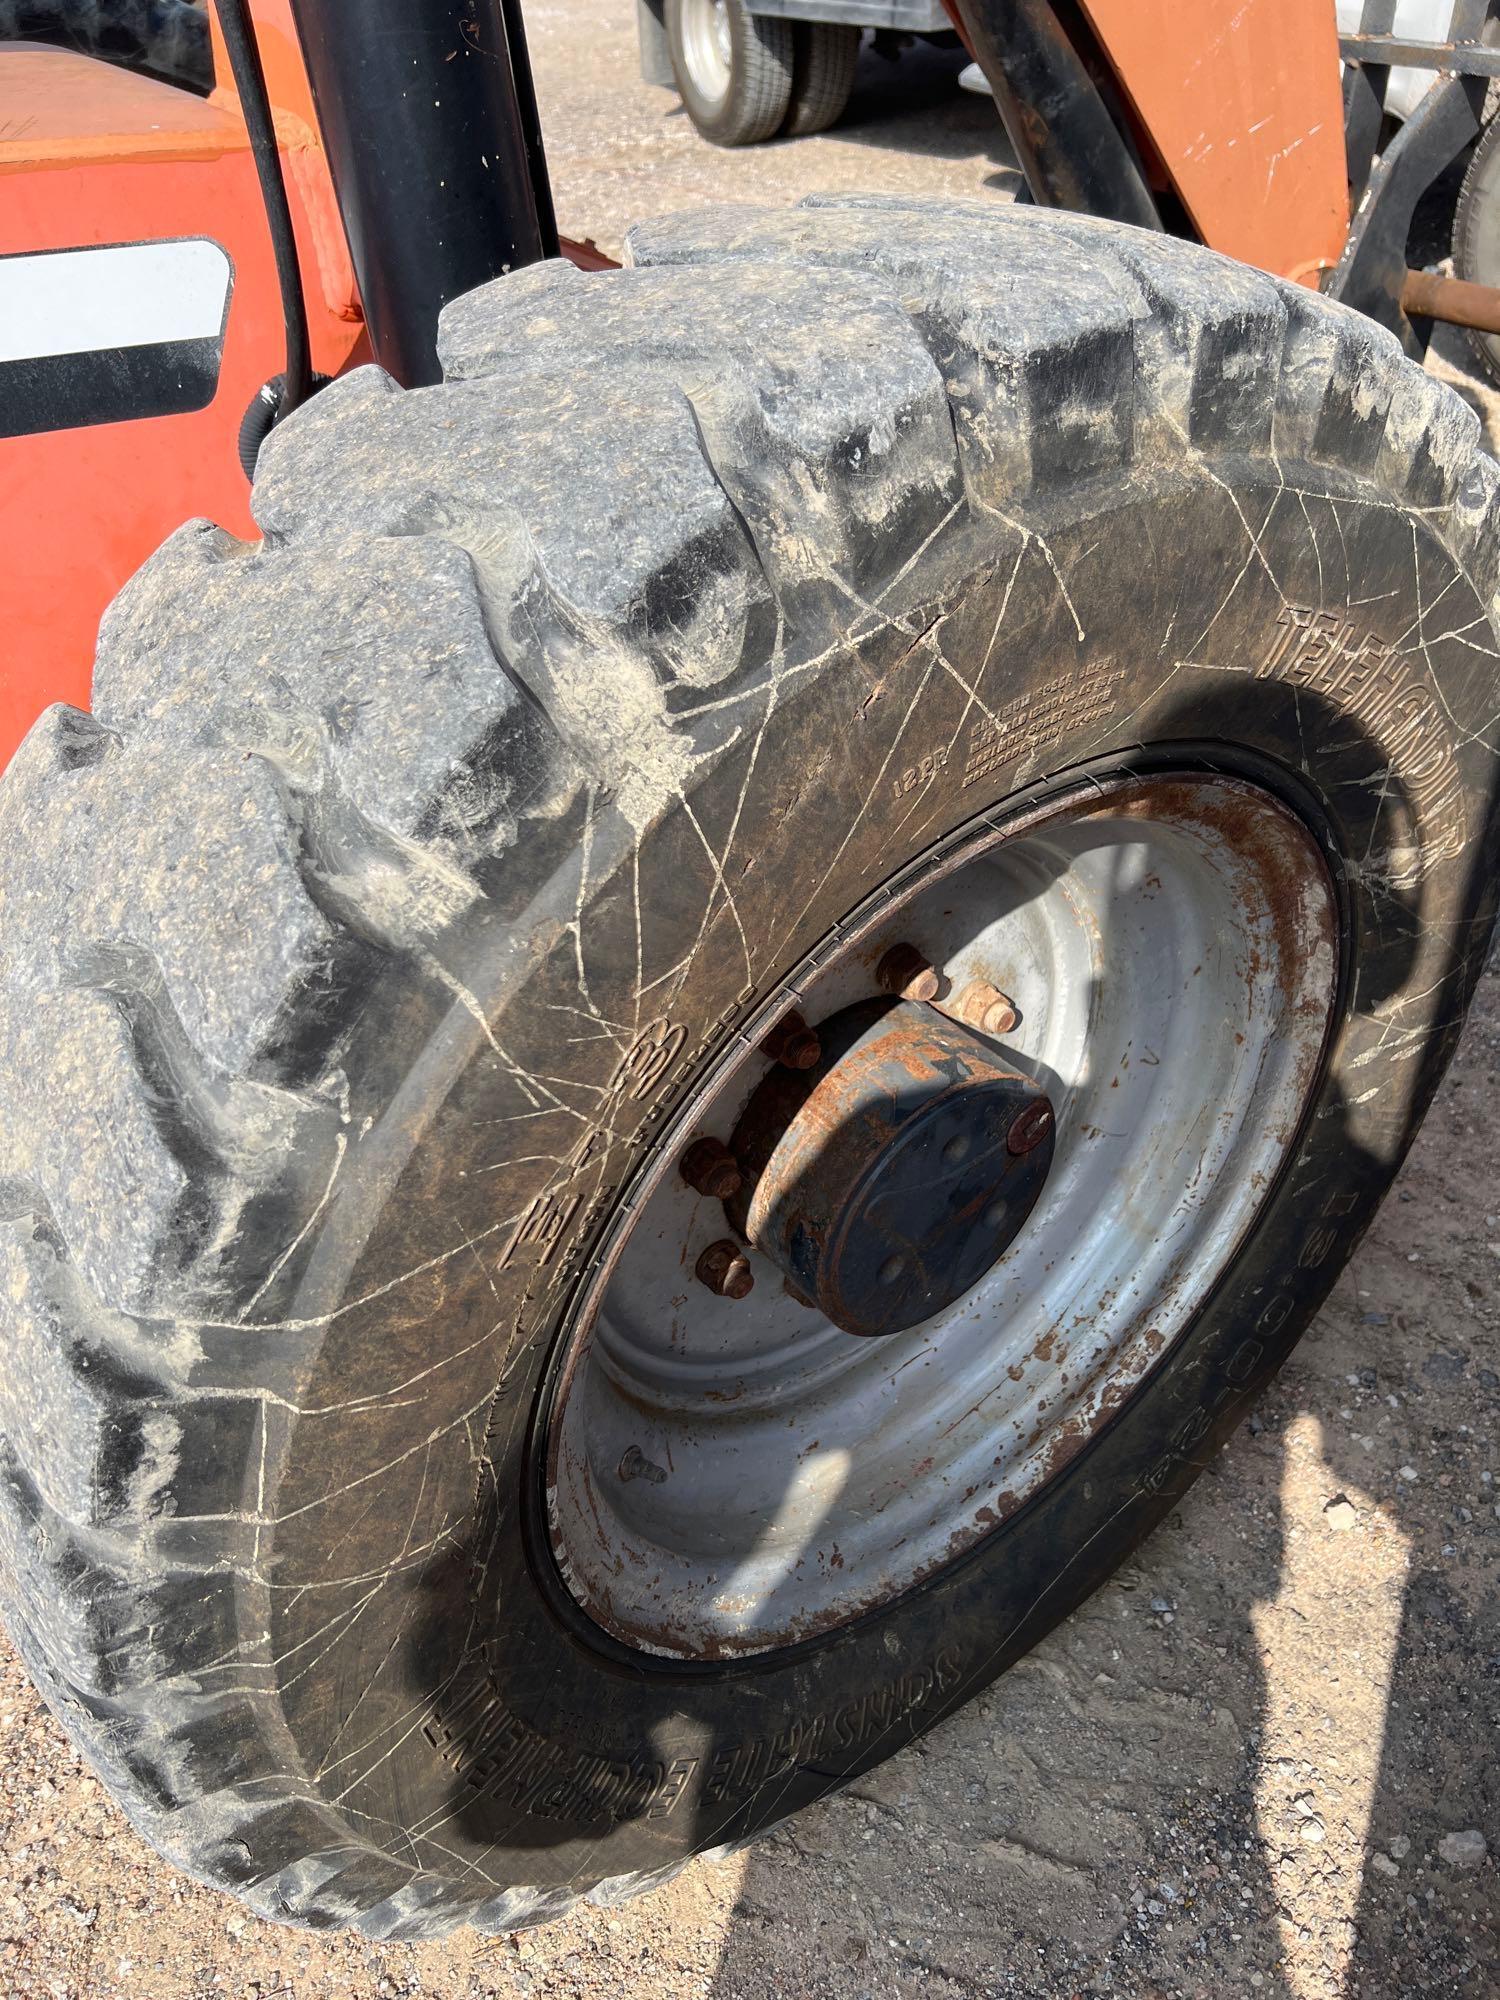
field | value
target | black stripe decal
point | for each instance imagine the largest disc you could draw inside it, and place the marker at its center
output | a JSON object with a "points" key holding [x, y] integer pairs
{"points": [[112, 385]]}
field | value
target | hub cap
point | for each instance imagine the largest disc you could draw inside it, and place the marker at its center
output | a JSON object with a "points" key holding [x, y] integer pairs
{"points": [[707, 47], [729, 1474], [886, 1181]]}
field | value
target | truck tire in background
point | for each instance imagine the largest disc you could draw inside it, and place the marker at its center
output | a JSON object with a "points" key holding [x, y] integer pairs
{"points": [[1049, 655], [825, 57], [734, 69]]}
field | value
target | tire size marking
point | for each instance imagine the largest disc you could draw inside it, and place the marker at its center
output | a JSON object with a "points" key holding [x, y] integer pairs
{"points": [[921, 773], [1327, 652], [541, 1227], [500, 1756], [1069, 702], [736, 1771], [648, 1059]]}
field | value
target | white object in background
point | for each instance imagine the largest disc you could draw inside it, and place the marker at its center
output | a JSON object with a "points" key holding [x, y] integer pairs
{"points": [[112, 295], [1416, 21]]}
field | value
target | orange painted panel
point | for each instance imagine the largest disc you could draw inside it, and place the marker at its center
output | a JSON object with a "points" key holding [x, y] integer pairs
{"points": [[280, 59], [290, 97], [1245, 106], [82, 508], [59, 108]]}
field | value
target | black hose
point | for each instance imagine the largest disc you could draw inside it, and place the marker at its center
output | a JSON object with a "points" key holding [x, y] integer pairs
{"points": [[256, 423], [250, 84], [265, 411]]}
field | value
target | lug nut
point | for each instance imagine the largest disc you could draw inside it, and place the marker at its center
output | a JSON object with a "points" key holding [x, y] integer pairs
{"points": [[1030, 1127], [792, 1043], [710, 1168], [985, 1007], [906, 973], [725, 1269]]}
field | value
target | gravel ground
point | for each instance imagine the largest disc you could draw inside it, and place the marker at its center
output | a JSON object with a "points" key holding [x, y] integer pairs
{"points": [[621, 151], [1264, 1760]]}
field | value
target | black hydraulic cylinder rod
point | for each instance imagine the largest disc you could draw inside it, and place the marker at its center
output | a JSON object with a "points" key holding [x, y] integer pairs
{"points": [[1071, 150], [430, 126]]}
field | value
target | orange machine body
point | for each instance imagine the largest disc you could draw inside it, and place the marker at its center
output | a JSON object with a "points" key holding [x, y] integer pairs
{"points": [[94, 155], [1245, 112], [1241, 105]]}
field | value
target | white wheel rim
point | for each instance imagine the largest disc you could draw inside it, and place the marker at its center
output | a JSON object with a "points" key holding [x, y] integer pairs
{"points": [[728, 1477], [707, 47]]}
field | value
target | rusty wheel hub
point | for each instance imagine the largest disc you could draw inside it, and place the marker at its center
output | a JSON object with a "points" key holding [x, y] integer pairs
{"points": [[887, 1180], [1015, 1120]]}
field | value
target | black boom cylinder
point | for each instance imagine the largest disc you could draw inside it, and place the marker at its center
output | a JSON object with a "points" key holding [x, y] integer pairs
{"points": [[430, 125]]}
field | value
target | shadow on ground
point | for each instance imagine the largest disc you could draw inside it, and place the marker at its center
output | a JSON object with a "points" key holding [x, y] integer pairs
{"points": [[914, 105]]}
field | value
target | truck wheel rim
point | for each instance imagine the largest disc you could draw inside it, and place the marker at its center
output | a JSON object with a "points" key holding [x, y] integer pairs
{"points": [[707, 47], [726, 1476]]}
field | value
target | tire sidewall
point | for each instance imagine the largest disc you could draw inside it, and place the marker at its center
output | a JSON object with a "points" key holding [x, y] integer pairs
{"points": [[1281, 625]]}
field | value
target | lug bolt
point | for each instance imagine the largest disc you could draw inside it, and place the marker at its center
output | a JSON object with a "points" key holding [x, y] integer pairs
{"points": [[984, 1007], [1030, 1127], [906, 973], [725, 1269], [792, 1043], [710, 1168]]}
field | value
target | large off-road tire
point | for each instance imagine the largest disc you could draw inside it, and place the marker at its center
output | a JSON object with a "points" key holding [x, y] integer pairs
{"points": [[825, 57], [734, 69], [422, 874]]}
